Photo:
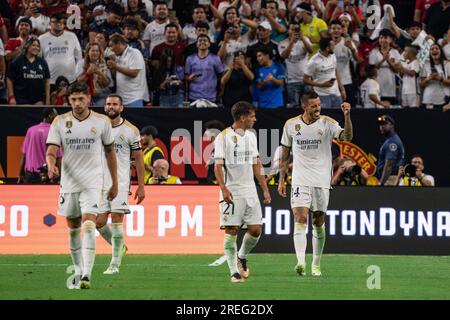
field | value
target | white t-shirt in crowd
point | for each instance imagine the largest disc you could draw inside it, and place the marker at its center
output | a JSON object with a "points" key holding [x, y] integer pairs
{"points": [[296, 61], [132, 89], [126, 139], [154, 32], [82, 143], [62, 54], [2, 48], [368, 88], [239, 153], [435, 92], [322, 69], [233, 46], [311, 150], [41, 23], [409, 85], [344, 57], [191, 36], [386, 77]]}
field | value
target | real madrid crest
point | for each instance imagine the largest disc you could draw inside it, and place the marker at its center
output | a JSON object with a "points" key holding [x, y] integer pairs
{"points": [[297, 127], [320, 132], [93, 130], [122, 137], [69, 124], [234, 138]]}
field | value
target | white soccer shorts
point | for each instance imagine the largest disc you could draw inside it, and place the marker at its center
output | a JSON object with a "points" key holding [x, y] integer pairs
{"points": [[410, 100], [73, 205], [118, 205], [316, 199], [242, 212]]}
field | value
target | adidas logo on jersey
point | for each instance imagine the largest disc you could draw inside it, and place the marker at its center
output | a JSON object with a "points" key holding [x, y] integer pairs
{"points": [[68, 131], [124, 203], [95, 206]]}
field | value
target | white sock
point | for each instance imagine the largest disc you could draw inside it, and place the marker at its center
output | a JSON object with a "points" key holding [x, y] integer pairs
{"points": [[75, 249], [318, 240], [117, 243], [300, 242], [230, 247], [248, 243], [106, 233], [88, 247]]}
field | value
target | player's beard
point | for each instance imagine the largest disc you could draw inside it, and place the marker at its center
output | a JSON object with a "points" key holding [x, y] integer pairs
{"points": [[113, 114]]}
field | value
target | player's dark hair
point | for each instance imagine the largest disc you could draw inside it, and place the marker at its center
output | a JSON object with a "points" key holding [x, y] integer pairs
{"points": [[241, 108], [47, 112], [370, 70], [215, 124], [307, 96], [79, 87], [114, 95]]}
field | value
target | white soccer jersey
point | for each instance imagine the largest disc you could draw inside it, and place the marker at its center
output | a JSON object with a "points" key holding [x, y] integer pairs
{"points": [[311, 149], [61, 53], [239, 153], [321, 69], [410, 82], [82, 143], [126, 139], [344, 57], [296, 61], [386, 77], [154, 32], [368, 88], [233, 46]]}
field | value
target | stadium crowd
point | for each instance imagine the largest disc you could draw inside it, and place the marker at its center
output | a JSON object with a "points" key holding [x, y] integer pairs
{"points": [[215, 53]]}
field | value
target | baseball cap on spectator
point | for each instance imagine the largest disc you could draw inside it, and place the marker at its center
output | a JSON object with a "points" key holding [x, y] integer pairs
{"points": [[266, 25], [202, 25], [385, 119], [149, 131], [25, 20], [346, 15], [305, 7], [386, 33]]}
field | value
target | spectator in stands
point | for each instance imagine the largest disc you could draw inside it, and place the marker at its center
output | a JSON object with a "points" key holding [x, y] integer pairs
{"points": [[131, 31], [295, 50], [279, 25], [270, 79], [171, 42], [168, 79], [370, 89], [346, 54], [29, 77], [321, 73], [94, 71], [409, 71], [161, 173], [151, 150], [312, 27], [386, 59], [282, 9], [422, 7], [333, 11], [435, 79], [236, 81], [33, 11], [392, 152], [61, 49], [241, 5], [129, 67], [263, 31], [348, 31], [136, 9], [201, 28], [190, 30], [60, 96], [96, 11], [418, 179], [13, 47], [445, 44], [203, 71], [349, 174], [110, 26], [233, 42], [3, 30], [34, 148], [154, 31], [438, 19]]}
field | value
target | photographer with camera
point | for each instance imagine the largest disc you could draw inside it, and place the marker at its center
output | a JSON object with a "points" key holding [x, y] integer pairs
{"points": [[161, 173], [412, 174], [349, 174]]}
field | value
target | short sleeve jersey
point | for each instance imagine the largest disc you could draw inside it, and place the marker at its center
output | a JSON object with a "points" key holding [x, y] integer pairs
{"points": [[82, 143], [126, 139], [239, 153], [392, 149], [311, 149]]}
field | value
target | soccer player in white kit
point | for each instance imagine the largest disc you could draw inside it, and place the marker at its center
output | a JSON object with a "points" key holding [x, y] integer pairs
{"points": [[236, 162], [126, 143], [310, 136], [82, 134]]}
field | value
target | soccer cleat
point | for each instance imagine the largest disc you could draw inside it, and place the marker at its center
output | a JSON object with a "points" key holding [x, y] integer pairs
{"points": [[300, 269], [123, 253], [243, 269], [85, 283], [237, 278], [112, 269], [75, 282], [315, 271]]}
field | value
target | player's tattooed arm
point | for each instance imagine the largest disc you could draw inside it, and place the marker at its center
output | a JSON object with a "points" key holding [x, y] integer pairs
{"points": [[347, 133]]}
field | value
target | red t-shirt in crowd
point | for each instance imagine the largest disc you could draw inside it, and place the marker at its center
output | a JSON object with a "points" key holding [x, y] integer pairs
{"points": [[178, 50], [423, 5], [12, 44]]}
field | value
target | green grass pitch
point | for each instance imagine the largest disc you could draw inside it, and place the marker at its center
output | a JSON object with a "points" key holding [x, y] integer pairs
{"points": [[190, 277]]}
